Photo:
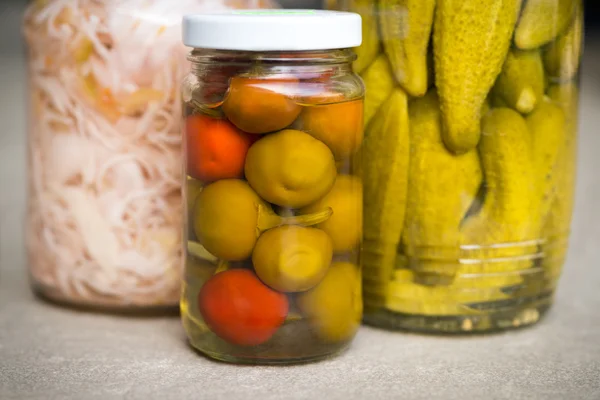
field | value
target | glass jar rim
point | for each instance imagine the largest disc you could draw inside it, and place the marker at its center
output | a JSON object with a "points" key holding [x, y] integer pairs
{"points": [[320, 57]]}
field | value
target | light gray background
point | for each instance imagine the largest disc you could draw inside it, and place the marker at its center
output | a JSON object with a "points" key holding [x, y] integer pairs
{"points": [[51, 353]]}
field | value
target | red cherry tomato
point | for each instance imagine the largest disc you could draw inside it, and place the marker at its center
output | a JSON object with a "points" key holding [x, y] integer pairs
{"points": [[216, 149], [240, 309]]}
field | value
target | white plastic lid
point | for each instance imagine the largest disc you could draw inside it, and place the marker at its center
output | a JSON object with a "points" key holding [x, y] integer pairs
{"points": [[273, 30]]}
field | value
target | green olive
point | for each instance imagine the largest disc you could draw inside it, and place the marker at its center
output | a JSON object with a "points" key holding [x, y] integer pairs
{"points": [[345, 225], [290, 168], [292, 258], [226, 217], [229, 217], [334, 306]]}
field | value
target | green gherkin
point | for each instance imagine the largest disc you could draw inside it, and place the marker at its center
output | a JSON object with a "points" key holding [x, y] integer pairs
{"points": [[405, 27], [370, 46], [380, 83], [562, 57], [556, 226], [521, 82], [432, 224], [385, 180], [542, 21], [548, 129], [470, 41], [510, 197]]}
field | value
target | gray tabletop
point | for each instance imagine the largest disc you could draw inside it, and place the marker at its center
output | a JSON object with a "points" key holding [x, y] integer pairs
{"points": [[51, 353]]}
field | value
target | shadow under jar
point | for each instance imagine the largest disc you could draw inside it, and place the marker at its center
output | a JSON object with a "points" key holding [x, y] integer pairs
{"points": [[273, 126], [471, 110]]}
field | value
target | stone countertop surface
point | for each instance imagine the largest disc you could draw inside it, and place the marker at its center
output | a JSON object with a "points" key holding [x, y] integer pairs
{"points": [[49, 353]]}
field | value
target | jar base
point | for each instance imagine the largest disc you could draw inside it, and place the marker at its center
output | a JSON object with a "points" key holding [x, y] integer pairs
{"points": [[103, 306], [294, 343], [511, 318], [249, 360]]}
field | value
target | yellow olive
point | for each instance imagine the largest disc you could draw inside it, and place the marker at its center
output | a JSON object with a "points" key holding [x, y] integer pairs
{"points": [[290, 168], [345, 225], [334, 306], [292, 258]]}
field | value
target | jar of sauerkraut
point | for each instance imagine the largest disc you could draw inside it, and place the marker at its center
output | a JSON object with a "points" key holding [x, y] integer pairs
{"points": [[104, 212], [471, 112], [273, 126]]}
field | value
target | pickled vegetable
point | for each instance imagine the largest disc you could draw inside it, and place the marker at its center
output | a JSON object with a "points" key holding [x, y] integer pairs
{"points": [[215, 149], [563, 56], [385, 179], [290, 168], [490, 161], [368, 50], [344, 227], [104, 148], [406, 40], [521, 82], [547, 127], [292, 258], [432, 224], [334, 307], [260, 105], [378, 77], [275, 210], [339, 126], [229, 216], [505, 152], [240, 309], [470, 42], [542, 20], [557, 224]]}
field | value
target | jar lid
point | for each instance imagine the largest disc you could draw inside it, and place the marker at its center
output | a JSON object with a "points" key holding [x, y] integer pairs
{"points": [[273, 30]]}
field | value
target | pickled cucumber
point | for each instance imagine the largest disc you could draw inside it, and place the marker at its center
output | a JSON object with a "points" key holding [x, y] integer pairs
{"points": [[290, 168], [542, 20], [405, 27], [442, 187], [498, 239], [563, 56], [380, 81], [406, 296], [470, 41], [547, 127], [557, 225], [521, 82], [370, 46], [385, 180], [345, 225], [292, 258]]}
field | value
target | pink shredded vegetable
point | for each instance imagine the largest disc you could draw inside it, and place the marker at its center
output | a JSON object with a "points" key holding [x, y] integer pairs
{"points": [[104, 223]]}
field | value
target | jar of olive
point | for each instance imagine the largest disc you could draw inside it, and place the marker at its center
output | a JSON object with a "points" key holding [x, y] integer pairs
{"points": [[273, 128], [471, 114]]}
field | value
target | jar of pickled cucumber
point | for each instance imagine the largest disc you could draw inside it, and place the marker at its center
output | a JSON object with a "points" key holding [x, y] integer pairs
{"points": [[470, 129], [273, 126]]}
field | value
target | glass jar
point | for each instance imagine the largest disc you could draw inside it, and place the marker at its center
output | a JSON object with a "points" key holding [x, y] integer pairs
{"points": [[273, 123], [471, 111], [104, 206]]}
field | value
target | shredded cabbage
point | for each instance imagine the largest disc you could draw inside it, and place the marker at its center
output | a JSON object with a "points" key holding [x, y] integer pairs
{"points": [[104, 220]]}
